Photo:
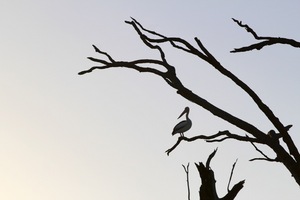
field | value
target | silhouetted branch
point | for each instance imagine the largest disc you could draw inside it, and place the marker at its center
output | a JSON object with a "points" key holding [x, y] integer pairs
{"points": [[267, 41], [257, 149], [170, 75], [153, 40], [277, 136], [172, 41], [186, 169], [210, 157], [233, 166], [266, 158], [130, 64], [212, 138], [234, 191], [270, 41], [208, 187], [104, 53]]}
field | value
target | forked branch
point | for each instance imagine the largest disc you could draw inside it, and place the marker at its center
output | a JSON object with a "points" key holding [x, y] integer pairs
{"points": [[208, 182], [265, 157], [153, 40], [218, 137], [265, 41]]}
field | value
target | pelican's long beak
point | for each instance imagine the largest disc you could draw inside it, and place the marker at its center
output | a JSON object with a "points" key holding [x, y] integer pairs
{"points": [[185, 110]]}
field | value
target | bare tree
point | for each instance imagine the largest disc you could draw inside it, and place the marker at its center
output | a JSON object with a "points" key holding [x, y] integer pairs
{"points": [[286, 153]]}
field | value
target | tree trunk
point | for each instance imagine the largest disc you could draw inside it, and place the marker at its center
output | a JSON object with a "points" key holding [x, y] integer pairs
{"points": [[208, 186]]}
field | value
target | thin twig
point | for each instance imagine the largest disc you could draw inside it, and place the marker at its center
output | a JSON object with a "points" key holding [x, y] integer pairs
{"points": [[262, 153], [186, 169], [233, 166]]}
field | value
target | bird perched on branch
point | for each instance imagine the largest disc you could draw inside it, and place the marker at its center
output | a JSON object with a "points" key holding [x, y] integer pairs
{"points": [[275, 135], [184, 125]]}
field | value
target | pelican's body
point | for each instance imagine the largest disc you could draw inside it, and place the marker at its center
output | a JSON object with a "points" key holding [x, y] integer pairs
{"points": [[184, 125]]}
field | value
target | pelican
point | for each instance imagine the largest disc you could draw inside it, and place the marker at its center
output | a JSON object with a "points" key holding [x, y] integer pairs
{"points": [[184, 125]]}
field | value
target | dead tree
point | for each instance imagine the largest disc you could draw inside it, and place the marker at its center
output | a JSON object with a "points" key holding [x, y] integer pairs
{"points": [[208, 183], [286, 153]]}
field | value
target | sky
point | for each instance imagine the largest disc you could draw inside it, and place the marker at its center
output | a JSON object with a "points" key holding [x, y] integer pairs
{"points": [[104, 135]]}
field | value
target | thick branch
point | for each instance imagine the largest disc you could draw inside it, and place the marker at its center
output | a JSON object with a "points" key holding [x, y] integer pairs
{"points": [[170, 77], [208, 182], [207, 56], [270, 41], [234, 191], [222, 114]]}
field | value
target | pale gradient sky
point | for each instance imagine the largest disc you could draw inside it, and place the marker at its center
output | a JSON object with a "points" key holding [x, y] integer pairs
{"points": [[103, 135]]}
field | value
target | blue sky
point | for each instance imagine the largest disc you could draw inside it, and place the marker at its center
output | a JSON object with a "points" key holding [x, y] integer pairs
{"points": [[103, 135]]}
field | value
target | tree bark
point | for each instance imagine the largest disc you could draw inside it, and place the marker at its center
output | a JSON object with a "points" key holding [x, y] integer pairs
{"points": [[208, 183]]}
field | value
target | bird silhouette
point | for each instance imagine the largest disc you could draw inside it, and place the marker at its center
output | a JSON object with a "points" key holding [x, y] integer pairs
{"points": [[184, 125]]}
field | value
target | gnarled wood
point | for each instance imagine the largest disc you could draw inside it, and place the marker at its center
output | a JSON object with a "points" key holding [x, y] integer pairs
{"points": [[208, 183]]}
